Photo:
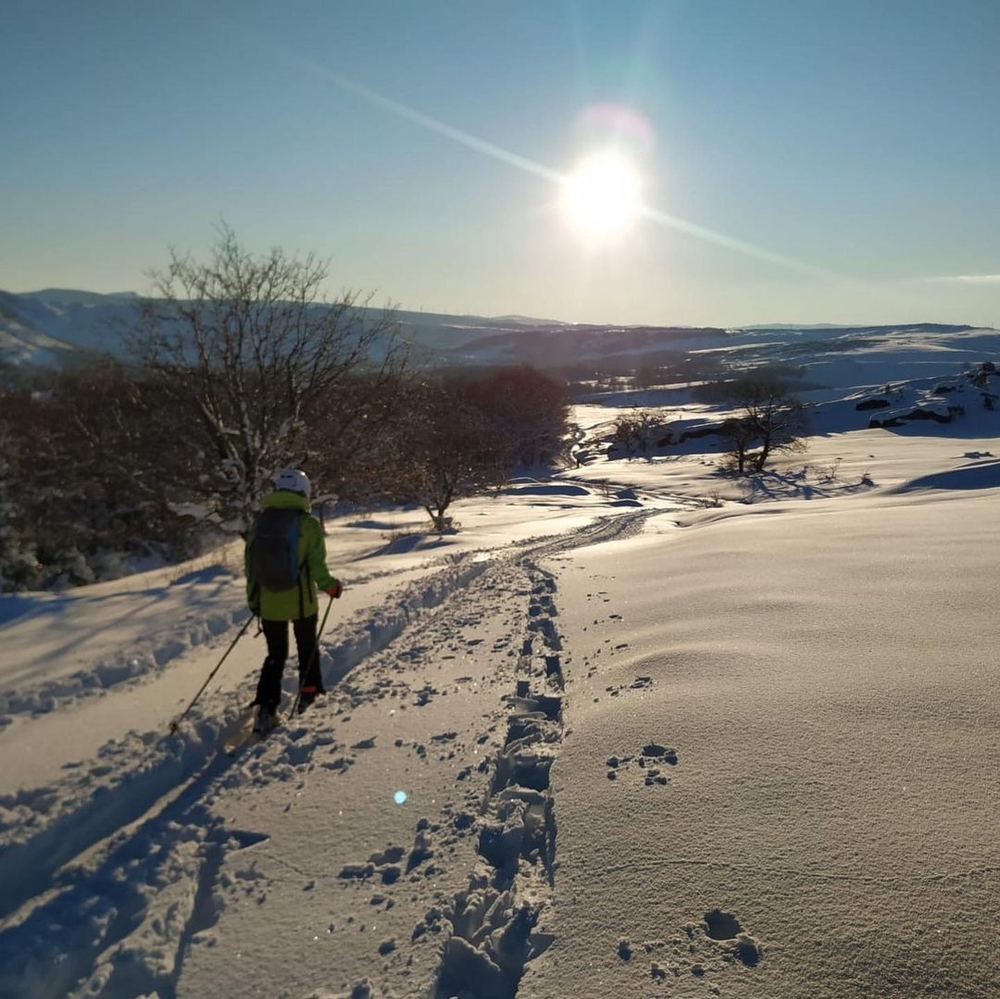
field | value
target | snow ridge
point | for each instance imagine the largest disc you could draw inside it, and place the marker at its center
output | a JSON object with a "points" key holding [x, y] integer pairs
{"points": [[46, 828], [103, 917], [139, 664]]}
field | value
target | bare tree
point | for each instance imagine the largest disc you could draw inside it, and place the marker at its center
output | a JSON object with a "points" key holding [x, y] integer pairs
{"points": [[462, 434], [527, 409], [448, 448], [351, 442], [771, 420], [636, 430], [250, 345]]}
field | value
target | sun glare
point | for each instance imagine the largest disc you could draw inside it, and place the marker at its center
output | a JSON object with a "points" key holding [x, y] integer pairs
{"points": [[601, 197]]}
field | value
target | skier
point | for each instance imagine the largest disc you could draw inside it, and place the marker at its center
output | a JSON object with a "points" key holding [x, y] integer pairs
{"points": [[285, 562]]}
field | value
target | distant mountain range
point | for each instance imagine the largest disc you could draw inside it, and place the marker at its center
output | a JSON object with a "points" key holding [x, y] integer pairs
{"points": [[55, 326]]}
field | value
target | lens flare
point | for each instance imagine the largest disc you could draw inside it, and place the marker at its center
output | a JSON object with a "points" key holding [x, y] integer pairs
{"points": [[624, 126], [400, 797]]}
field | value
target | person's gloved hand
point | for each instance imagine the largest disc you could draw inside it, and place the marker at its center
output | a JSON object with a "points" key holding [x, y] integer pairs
{"points": [[335, 590]]}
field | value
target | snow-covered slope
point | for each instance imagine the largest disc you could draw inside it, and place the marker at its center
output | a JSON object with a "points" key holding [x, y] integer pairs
{"points": [[23, 343], [638, 728], [43, 327], [48, 327]]}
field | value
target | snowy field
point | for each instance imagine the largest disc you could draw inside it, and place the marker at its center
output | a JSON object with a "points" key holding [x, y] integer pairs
{"points": [[640, 729]]}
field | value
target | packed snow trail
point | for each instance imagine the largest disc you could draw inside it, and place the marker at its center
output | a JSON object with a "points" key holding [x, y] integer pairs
{"points": [[46, 827], [131, 876]]}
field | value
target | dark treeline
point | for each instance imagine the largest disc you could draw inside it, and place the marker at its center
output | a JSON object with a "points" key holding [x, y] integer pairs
{"points": [[618, 372], [108, 464]]}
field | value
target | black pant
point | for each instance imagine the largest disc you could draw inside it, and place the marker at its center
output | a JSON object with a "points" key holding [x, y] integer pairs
{"points": [[276, 634]]}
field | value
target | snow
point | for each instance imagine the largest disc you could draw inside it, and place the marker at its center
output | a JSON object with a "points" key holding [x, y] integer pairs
{"points": [[635, 729]]}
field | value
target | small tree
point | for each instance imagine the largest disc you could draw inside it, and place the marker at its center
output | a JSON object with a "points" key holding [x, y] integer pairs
{"points": [[462, 433], [249, 345], [526, 407], [446, 448], [348, 446], [636, 430], [771, 421], [741, 434]]}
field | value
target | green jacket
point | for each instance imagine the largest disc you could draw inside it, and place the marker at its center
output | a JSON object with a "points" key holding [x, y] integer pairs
{"points": [[300, 601]]}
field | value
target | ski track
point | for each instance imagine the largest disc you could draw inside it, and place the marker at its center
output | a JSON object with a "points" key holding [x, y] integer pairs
{"points": [[110, 872], [497, 924]]}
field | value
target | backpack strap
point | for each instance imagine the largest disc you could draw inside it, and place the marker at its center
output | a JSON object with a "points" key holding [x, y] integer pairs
{"points": [[304, 564]]}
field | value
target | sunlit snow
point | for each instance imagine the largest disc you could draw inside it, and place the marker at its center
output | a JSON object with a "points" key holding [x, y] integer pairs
{"points": [[656, 730]]}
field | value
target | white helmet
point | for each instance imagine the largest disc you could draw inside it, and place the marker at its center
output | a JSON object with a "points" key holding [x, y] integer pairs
{"points": [[293, 480]]}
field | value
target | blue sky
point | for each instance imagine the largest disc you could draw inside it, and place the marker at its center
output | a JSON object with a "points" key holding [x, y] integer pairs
{"points": [[801, 161]]}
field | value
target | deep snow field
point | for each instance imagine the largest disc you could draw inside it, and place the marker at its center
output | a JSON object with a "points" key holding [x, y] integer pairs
{"points": [[638, 729]]}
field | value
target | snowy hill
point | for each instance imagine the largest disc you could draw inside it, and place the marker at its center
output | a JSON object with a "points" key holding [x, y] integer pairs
{"points": [[21, 342], [49, 326]]}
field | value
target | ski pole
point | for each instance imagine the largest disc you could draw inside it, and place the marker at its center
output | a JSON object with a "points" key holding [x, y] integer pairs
{"points": [[322, 623], [174, 725], [315, 654]]}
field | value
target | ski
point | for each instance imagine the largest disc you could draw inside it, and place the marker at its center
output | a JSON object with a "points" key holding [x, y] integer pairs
{"points": [[260, 735], [239, 730], [243, 732]]}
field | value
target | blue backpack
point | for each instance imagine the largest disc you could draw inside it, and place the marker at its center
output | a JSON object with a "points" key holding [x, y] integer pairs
{"points": [[273, 558]]}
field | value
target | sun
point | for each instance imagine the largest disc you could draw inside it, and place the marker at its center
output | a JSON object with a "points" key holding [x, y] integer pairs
{"points": [[602, 196]]}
